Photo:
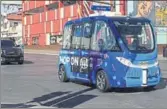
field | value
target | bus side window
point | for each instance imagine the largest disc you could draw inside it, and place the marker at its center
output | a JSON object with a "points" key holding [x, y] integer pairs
{"points": [[77, 35], [85, 43], [104, 33], [67, 37]]}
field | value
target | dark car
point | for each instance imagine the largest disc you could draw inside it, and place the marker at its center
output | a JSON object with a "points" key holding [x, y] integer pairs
{"points": [[10, 52]]}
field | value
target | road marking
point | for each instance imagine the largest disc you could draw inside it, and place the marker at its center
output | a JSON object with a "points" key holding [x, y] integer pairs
{"points": [[42, 107]]}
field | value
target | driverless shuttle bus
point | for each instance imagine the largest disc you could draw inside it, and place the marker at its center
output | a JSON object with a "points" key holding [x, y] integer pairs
{"points": [[110, 52]]}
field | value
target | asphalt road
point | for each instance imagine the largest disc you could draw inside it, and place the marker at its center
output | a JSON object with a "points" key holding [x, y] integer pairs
{"points": [[36, 84]]}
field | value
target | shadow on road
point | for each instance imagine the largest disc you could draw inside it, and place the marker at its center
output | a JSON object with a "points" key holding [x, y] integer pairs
{"points": [[20, 105], [161, 85], [15, 63], [71, 99], [57, 99], [28, 62]]}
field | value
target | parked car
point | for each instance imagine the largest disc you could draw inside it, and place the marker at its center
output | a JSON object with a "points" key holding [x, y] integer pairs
{"points": [[10, 52]]}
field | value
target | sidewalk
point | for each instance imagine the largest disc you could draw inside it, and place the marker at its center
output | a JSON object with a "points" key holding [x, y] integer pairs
{"points": [[44, 52], [160, 57], [54, 52]]}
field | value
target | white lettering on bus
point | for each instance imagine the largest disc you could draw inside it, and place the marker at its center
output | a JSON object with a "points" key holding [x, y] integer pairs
{"points": [[75, 61], [64, 59], [84, 63]]}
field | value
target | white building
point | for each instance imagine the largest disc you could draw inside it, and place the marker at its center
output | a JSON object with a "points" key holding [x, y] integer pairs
{"points": [[11, 22]]}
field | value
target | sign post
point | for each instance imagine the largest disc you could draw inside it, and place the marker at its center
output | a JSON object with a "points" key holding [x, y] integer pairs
{"points": [[100, 8]]}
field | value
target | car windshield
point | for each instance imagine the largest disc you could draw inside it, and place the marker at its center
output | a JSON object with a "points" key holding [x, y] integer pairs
{"points": [[137, 36], [7, 43]]}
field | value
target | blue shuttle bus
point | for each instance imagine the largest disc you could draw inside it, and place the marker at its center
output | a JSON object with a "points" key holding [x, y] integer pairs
{"points": [[110, 52]]}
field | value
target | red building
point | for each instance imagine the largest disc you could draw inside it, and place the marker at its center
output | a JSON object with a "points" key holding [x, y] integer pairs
{"points": [[43, 21]]}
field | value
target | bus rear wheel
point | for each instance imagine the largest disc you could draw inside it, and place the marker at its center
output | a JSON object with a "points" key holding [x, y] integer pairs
{"points": [[102, 82], [62, 74]]}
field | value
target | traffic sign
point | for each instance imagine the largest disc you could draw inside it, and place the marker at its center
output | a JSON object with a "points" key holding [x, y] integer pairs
{"points": [[101, 8]]}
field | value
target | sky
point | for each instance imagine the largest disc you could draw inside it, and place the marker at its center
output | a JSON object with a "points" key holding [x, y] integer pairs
{"points": [[9, 2]]}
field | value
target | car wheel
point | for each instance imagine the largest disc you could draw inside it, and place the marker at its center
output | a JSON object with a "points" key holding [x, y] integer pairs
{"points": [[62, 74], [20, 62], [102, 82]]}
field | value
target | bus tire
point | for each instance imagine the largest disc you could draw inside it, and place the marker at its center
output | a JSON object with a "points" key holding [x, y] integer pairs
{"points": [[62, 74], [102, 83]]}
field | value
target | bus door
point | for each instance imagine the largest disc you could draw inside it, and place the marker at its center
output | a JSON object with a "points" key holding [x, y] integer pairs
{"points": [[104, 46], [81, 47], [65, 52], [85, 68], [75, 50]]}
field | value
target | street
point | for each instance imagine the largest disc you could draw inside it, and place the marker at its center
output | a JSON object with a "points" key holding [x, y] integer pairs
{"points": [[35, 83]]}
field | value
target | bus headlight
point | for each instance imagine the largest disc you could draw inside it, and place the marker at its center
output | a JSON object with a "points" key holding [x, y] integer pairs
{"points": [[124, 61]]}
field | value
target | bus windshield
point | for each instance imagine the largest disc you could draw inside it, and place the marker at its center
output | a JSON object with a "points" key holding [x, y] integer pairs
{"points": [[137, 36]]}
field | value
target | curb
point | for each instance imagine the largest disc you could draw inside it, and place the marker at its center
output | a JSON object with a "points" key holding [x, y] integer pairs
{"points": [[56, 54]]}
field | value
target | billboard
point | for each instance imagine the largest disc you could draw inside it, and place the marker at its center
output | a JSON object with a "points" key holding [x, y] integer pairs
{"points": [[161, 13], [156, 11]]}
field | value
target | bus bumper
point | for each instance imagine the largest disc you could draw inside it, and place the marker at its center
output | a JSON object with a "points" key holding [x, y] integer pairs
{"points": [[151, 78]]}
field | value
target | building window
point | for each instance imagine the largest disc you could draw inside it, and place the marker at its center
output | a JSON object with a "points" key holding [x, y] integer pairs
{"points": [[35, 41], [53, 39], [16, 23], [53, 6], [35, 11], [68, 2], [5, 25]]}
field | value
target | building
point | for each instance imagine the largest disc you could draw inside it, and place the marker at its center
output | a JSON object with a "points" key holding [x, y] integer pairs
{"points": [[11, 21], [43, 21], [156, 11]]}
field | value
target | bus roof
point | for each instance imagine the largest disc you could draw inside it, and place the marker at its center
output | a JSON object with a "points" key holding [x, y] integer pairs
{"points": [[114, 18]]}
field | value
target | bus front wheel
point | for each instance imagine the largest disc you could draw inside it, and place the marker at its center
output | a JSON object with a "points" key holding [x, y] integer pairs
{"points": [[102, 82], [62, 74]]}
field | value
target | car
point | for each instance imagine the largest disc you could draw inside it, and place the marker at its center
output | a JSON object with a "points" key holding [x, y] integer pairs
{"points": [[10, 52]]}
